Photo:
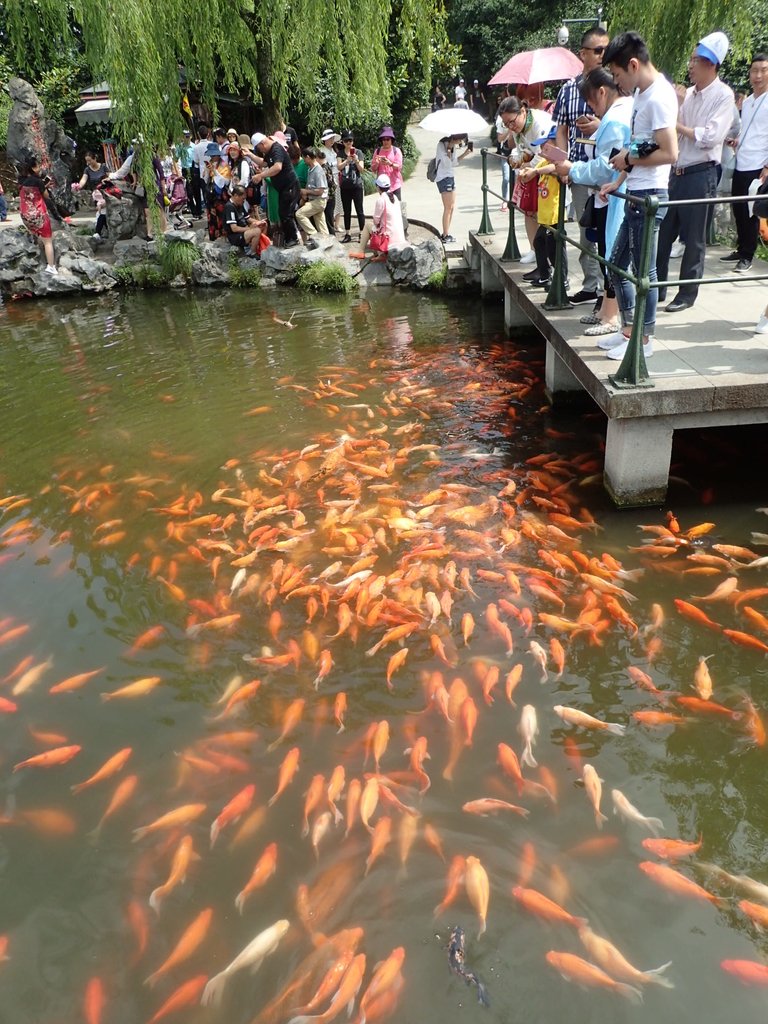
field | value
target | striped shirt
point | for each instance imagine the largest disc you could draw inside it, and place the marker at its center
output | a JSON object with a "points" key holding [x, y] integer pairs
{"points": [[571, 105]]}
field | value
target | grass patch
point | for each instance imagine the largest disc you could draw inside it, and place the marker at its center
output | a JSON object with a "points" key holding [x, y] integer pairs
{"points": [[242, 278], [762, 250], [325, 276], [141, 275], [411, 156], [176, 258], [437, 282]]}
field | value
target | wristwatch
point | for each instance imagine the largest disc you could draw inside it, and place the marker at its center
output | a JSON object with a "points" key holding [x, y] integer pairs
{"points": [[627, 165]]}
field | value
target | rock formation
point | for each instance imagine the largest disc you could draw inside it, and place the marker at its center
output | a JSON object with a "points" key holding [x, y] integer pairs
{"points": [[32, 134]]}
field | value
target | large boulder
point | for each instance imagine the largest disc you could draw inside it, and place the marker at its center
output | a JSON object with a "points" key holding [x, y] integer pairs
{"points": [[132, 250], [279, 260], [413, 265], [64, 283], [94, 275], [209, 273], [124, 213], [31, 134]]}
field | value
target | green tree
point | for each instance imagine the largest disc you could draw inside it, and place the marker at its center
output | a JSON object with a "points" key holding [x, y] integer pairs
{"points": [[673, 27]]}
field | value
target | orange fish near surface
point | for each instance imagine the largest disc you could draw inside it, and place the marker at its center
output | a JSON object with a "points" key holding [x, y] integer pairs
{"points": [[671, 849], [581, 972], [537, 903], [748, 972], [672, 880], [288, 769], [50, 758], [94, 1001]]}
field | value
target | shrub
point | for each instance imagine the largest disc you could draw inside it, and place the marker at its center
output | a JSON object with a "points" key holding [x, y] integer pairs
{"points": [[437, 281], [141, 275], [177, 258], [241, 278], [324, 276]]}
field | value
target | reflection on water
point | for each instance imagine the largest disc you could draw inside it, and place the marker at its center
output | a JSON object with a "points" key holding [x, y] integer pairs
{"points": [[213, 527]]}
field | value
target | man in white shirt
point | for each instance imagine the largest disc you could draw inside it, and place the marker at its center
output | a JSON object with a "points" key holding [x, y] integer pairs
{"points": [[705, 117], [460, 95], [751, 159], [644, 171]]}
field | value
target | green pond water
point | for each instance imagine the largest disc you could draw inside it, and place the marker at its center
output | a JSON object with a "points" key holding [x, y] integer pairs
{"points": [[120, 419]]}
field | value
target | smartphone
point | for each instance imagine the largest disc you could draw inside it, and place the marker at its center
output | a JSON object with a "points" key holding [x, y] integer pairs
{"points": [[614, 152]]}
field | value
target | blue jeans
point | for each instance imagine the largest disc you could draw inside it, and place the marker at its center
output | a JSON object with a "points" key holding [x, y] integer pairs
{"points": [[627, 249], [505, 179], [3, 208]]}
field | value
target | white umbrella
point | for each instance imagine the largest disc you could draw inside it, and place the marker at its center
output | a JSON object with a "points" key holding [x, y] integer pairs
{"points": [[455, 121]]}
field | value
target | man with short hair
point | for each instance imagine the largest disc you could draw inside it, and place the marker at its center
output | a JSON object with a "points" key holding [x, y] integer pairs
{"points": [[311, 214], [243, 231], [460, 95], [644, 168], [279, 169], [575, 119], [751, 160], [704, 120]]}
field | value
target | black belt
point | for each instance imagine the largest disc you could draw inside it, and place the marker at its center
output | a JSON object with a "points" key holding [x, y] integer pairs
{"points": [[692, 168]]}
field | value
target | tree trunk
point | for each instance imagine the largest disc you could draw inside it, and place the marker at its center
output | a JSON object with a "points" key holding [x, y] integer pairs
{"points": [[273, 118]]}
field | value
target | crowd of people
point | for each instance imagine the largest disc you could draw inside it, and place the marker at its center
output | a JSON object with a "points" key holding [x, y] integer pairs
{"points": [[622, 125], [254, 190]]}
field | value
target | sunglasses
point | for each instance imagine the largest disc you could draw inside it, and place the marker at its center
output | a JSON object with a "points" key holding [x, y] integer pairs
{"points": [[597, 50]]}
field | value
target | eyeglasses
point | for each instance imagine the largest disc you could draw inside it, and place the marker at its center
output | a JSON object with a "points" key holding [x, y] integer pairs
{"points": [[597, 50]]}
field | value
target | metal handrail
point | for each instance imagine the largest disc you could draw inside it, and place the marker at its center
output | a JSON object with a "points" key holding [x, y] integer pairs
{"points": [[511, 250], [632, 372]]}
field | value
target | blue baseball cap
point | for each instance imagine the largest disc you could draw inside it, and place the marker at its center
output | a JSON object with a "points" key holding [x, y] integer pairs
{"points": [[546, 138]]}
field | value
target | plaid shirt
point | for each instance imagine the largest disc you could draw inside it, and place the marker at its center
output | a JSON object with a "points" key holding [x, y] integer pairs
{"points": [[569, 106]]}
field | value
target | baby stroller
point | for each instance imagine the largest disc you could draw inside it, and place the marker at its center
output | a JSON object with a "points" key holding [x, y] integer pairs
{"points": [[178, 202]]}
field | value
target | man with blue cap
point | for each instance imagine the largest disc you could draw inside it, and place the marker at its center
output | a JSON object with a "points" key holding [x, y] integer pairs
{"points": [[704, 121]]}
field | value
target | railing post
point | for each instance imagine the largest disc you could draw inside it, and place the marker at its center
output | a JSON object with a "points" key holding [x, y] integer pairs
{"points": [[511, 252], [633, 373], [486, 228], [556, 296]]}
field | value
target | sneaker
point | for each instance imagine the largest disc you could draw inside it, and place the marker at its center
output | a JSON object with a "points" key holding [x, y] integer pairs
{"points": [[590, 319], [601, 329], [96, 235], [619, 350], [447, 238], [52, 271], [762, 325], [732, 257], [530, 257], [742, 266], [311, 244], [291, 244], [540, 282], [504, 207], [347, 238], [677, 250], [612, 340], [582, 297], [532, 275]]}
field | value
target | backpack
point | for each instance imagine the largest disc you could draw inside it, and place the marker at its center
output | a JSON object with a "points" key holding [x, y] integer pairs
{"points": [[432, 169], [350, 176]]}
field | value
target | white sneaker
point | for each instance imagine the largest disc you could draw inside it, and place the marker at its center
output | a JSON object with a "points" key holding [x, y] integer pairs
{"points": [[612, 340], [618, 352], [762, 325], [52, 271], [677, 250], [530, 257]]}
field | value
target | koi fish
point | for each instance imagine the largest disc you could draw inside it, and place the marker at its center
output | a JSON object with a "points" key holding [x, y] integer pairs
{"points": [[582, 720], [252, 957], [581, 972]]}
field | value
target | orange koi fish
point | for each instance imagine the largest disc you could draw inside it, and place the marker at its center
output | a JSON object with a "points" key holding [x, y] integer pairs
{"points": [[748, 972], [291, 719], [488, 805], [672, 880], [182, 858], [74, 682], [690, 611], [193, 936], [510, 765], [380, 838], [454, 882], [671, 849], [176, 818], [581, 972], [478, 888], [265, 868], [537, 903], [94, 1001], [136, 689], [186, 995], [287, 771], [110, 767], [50, 758], [339, 710], [233, 811]]}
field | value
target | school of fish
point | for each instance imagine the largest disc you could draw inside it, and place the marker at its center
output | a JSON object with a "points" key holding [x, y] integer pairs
{"points": [[472, 592]]}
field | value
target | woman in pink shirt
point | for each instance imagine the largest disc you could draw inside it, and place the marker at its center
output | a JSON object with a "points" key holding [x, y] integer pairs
{"points": [[387, 223], [388, 159]]}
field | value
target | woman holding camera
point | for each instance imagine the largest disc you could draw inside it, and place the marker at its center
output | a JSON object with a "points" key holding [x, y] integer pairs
{"points": [[350, 164], [447, 158]]}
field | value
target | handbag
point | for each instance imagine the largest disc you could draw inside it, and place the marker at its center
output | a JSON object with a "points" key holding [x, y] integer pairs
{"points": [[588, 218], [379, 242], [525, 195], [760, 205]]}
